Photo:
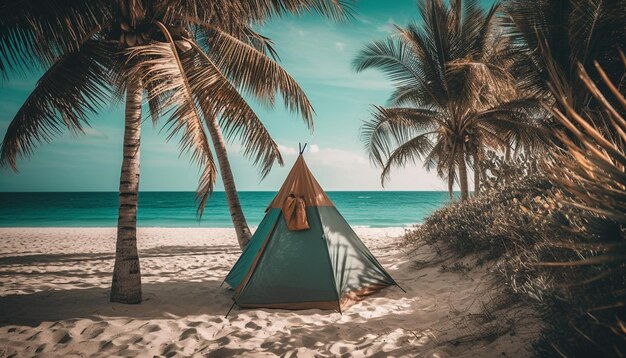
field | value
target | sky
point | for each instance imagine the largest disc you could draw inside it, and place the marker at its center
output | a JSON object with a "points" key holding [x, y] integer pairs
{"points": [[316, 51]]}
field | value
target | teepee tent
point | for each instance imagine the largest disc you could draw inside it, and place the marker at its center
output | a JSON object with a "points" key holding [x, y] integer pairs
{"points": [[304, 254]]}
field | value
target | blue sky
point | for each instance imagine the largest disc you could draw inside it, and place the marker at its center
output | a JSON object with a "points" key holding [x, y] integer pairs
{"points": [[314, 50]]}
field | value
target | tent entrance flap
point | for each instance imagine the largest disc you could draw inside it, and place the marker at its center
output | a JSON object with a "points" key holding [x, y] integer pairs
{"points": [[294, 211]]}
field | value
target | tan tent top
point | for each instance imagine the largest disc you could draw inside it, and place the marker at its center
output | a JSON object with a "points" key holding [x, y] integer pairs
{"points": [[301, 183]]}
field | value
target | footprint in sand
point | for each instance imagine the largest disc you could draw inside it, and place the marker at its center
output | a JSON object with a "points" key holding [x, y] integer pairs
{"points": [[150, 328], [252, 325], [170, 350], [33, 337], [94, 330], [222, 341], [188, 333], [133, 340], [104, 345], [61, 336]]}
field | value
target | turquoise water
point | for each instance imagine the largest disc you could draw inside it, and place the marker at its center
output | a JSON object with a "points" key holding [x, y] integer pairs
{"points": [[177, 209]]}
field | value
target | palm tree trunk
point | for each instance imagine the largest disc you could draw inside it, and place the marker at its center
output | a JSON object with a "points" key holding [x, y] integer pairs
{"points": [[126, 286], [236, 213], [476, 174], [463, 174]]}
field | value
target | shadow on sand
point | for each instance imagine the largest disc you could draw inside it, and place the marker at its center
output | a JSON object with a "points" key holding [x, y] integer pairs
{"points": [[161, 300]]}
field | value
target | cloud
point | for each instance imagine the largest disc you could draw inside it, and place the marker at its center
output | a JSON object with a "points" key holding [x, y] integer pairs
{"points": [[363, 19], [285, 150], [94, 133], [388, 27], [334, 157], [340, 46]]}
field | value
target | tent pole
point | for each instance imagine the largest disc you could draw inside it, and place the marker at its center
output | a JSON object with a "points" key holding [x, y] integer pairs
{"points": [[231, 308], [400, 287]]}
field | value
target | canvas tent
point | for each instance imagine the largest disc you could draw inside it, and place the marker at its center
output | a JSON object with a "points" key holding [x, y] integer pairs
{"points": [[304, 254]]}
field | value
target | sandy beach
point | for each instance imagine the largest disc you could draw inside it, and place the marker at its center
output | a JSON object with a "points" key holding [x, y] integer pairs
{"points": [[54, 285]]}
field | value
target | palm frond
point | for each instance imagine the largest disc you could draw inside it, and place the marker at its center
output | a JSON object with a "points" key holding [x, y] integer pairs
{"points": [[482, 34], [225, 12], [77, 85], [390, 127], [594, 177], [425, 61], [409, 152], [259, 42], [435, 15], [393, 57], [159, 66], [563, 33], [218, 97], [34, 34], [520, 123], [255, 73]]}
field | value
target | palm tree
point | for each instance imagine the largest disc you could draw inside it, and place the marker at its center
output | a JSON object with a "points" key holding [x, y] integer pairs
{"points": [[192, 61], [453, 98]]}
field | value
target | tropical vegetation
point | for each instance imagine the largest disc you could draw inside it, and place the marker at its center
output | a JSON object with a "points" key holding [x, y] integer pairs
{"points": [[551, 224], [554, 238], [454, 97], [194, 63]]}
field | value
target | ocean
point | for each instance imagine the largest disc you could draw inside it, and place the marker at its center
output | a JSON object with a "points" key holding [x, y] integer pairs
{"points": [[178, 209]]}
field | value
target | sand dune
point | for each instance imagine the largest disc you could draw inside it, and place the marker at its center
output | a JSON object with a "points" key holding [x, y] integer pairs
{"points": [[54, 301]]}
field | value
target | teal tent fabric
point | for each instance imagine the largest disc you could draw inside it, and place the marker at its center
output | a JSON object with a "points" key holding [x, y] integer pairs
{"points": [[294, 268], [353, 264], [247, 257]]}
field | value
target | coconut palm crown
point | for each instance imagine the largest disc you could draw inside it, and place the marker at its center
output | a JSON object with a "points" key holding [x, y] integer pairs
{"points": [[453, 95], [193, 61]]}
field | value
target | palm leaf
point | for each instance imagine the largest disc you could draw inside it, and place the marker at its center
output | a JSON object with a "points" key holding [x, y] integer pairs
{"points": [[76, 86], [225, 12], [34, 34], [218, 97], [390, 127], [394, 58], [255, 73], [159, 66], [592, 171], [408, 152]]}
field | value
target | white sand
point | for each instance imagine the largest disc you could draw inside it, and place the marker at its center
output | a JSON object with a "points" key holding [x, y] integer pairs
{"points": [[54, 301]]}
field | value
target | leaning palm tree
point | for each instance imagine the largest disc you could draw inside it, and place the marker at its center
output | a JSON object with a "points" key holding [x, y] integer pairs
{"points": [[453, 98], [192, 61]]}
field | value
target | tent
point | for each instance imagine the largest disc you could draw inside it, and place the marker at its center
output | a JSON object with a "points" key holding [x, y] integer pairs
{"points": [[304, 254]]}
